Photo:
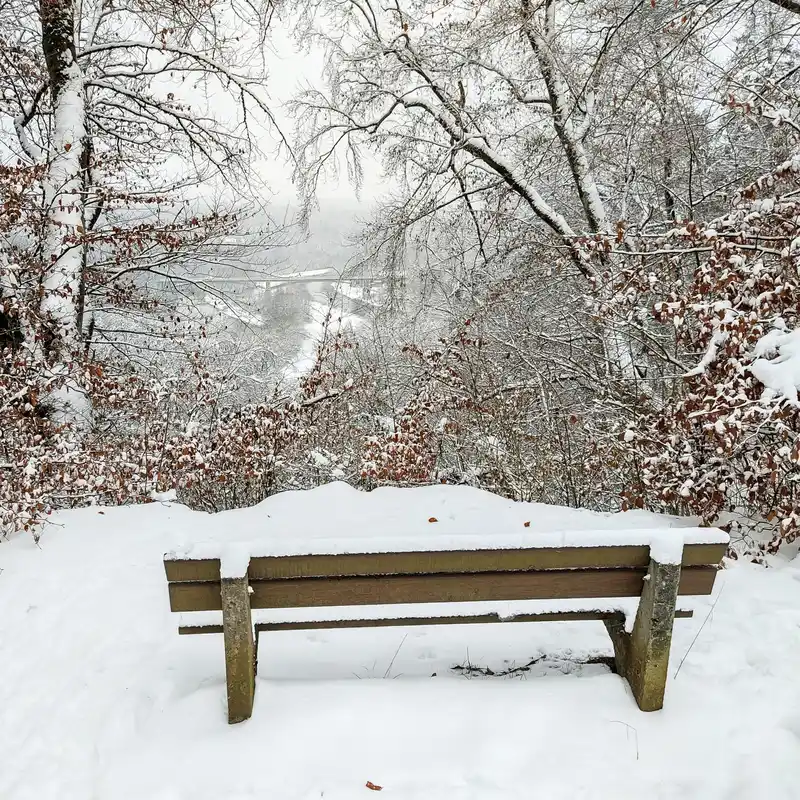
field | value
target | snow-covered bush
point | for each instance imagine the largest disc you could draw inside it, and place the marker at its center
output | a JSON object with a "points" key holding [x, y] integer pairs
{"points": [[725, 436]]}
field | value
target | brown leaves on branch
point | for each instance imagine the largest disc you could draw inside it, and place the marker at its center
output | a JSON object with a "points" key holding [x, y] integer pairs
{"points": [[722, 442]]}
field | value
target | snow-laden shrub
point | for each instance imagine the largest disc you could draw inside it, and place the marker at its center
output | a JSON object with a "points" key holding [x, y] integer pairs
{"points": [[725, 435]]}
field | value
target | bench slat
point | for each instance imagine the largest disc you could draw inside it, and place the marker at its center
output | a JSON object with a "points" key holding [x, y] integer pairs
{"points": [[457, 561], [445, 588], [403, 622]]}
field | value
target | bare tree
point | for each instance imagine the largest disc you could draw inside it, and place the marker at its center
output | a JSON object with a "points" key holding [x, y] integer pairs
{"points": [[138, 104], [543, 155]]}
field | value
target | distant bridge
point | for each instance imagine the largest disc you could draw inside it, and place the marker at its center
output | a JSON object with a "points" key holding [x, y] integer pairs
{"points": [[267, 282]]}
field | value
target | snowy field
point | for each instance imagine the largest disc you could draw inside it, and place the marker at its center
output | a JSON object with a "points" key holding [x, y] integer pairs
{"points": [[100, 699]]}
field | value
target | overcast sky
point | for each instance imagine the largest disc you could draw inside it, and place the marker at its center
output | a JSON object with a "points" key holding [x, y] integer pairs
{"points": [[289, 73]]}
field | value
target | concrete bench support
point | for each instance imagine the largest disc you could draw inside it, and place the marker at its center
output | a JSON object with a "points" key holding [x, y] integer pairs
{"points": [[642, 656], [240, 662]]}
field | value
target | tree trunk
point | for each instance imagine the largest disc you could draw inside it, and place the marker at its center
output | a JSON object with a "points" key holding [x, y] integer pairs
{"points": [[568, 130], [64, 204]]}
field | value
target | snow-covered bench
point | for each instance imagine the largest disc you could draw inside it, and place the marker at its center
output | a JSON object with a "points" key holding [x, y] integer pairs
{"points": [[578, 576]]}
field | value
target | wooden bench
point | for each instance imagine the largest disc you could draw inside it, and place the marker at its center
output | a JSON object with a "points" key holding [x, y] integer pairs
{"points": [[464, 576]]}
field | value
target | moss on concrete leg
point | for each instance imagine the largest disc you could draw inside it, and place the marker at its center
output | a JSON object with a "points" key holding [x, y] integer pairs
{"points": [[642, 657]]}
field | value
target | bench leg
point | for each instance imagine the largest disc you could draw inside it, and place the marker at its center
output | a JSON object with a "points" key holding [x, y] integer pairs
{"points": [[239, 648], [642, 657]]}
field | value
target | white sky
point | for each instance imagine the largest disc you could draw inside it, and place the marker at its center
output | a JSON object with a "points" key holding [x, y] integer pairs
{"points": [[290, 72]]}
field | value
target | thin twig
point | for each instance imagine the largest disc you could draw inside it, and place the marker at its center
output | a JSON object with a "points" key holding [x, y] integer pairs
{"points": [[385, 674], [627, 734], [708, 617]]}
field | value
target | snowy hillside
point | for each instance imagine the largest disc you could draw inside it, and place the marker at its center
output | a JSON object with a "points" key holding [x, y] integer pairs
{"points": [[102, 700]]}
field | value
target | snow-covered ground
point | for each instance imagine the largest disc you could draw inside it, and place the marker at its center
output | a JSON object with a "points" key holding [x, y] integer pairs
{"points": [[100, 699], [318, 320], [233, 310]]}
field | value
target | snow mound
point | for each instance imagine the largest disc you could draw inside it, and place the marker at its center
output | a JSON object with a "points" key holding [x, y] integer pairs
{"points": [[336, 518]]}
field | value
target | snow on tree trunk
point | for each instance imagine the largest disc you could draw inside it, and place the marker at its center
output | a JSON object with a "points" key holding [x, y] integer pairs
{"points": [[569, 133], [572, 118], [64, 203]]}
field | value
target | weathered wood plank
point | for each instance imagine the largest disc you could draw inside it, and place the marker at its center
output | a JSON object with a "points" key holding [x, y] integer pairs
{"points": [[457, 561], [205, 569], [402, 622], [446, 588]]}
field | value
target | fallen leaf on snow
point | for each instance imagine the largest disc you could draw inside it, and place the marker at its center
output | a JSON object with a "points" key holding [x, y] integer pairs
{"points": [[527, 524], [433, 519], [374, 787]]}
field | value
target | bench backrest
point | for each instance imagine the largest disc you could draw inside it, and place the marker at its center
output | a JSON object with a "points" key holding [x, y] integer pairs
{"points": [[551, 573]]}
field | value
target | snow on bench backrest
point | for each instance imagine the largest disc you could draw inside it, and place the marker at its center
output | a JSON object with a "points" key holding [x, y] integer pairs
{"points": [[581, 564]]}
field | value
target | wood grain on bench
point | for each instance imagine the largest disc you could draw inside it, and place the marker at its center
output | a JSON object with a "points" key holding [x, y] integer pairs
{"points": [[439, 588], [407, 622], [427, 562]]}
